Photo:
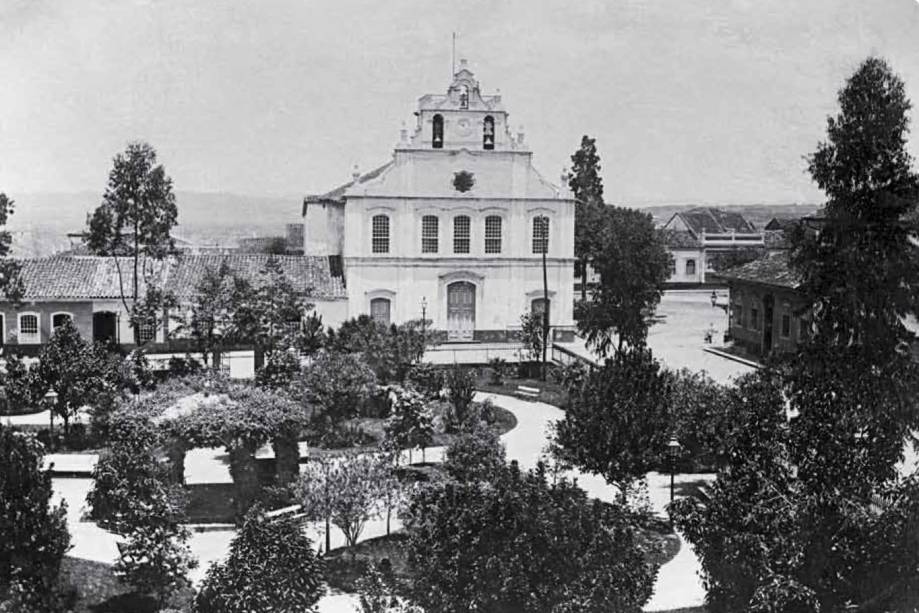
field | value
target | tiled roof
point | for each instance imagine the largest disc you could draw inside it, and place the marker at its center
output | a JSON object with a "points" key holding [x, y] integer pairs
{"points": [[769, 270], [782, 223], [305, 272], [681, 239], [776, 239], [715, 221], [94, 277], [337, 194]]}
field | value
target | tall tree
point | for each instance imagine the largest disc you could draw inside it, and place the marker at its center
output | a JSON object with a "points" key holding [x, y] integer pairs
{"points": [[10, 281], [586, 185], [859, 269], [210, 321], [832, 526], [633, 264], [135, 219]]}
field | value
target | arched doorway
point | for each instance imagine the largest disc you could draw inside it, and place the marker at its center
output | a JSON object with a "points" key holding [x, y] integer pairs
{"points": [[460, 311], [105, 327]]}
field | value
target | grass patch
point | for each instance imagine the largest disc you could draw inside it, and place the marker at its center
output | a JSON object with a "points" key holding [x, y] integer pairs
{"points": [[98, 590], [549, 391]]}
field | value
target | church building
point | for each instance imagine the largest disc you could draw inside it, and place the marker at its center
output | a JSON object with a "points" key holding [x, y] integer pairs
{"points": [[457, 224]]}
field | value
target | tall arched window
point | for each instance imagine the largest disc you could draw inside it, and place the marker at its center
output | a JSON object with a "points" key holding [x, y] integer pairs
{"points": [[541, 234], [690, 267], [429, 234], [492, 234], [380, 310], [59, 319], [461, 235], [29, 332], [437, 138], [488, 133], [380, 234]]}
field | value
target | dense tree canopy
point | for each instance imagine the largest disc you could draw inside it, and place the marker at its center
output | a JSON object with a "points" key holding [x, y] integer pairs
{"points": [[633, 264], [35, 535], [520, 543], [617, 423], [11, 286], [586, 186]]}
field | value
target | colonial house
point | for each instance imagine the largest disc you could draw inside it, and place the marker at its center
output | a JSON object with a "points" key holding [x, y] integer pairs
{"points": [[766, 313], [696, 237], [457, 225], [88, 290]]}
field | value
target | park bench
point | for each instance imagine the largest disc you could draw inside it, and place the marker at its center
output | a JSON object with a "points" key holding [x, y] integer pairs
{"points": [[531, 393]]}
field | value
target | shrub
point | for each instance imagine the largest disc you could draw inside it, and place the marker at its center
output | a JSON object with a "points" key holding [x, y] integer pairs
{"points": [[475, 454], [271, 567], [462, 390], [279, 370], [498, 368], [182, 367], [34, 534], [427, 379], [155, 560]]}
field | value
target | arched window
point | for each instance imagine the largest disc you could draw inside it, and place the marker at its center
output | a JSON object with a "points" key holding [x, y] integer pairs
{"points": [[29, 333], [380, 234], [380, 310], [437, 139], [492, 234], [429, 234], [59, 319], [690, 267], [488, 133], [461, 236], [541, 234]]}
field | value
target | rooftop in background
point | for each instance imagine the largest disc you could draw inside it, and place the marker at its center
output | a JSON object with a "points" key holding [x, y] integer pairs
{"points": [[710, 220], [772, 270], [97, 277]]}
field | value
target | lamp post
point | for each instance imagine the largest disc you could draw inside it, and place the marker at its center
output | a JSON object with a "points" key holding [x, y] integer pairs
{"points": [[49, 400], [673, 450], [424, 319]]}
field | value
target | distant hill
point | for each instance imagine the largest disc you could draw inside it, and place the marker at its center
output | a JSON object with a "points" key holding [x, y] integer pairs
{"points": [[42, 220], [757, 214]]}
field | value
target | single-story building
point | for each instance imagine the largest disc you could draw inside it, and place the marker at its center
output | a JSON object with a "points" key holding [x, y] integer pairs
{"points": [[89, 290], [766, 312]]}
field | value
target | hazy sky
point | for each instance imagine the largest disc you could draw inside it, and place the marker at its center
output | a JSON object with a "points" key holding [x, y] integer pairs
{"points": [[710, 101]]}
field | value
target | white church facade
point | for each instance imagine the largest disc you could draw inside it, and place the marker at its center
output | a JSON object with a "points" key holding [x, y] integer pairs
{"points": [[457, 223]]}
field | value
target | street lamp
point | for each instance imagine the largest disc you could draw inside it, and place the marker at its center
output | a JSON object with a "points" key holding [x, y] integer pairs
{"points": [[673, 450], [424, 319], [49, 401]]}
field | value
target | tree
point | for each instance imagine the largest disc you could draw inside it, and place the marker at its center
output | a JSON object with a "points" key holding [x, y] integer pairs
{"points": [[135, 219], [35, 535], [271, 568], [76, 370], [336, 384], [344, 491], [520, 543], [18, 385], [11, 286], [475, 454], [410, 424], [533, 334], [587, 187], [210, 322], [377, 594], [391, 351], [821, 520], [866, 171], [155, 561], [618, 423], [633, 264]]}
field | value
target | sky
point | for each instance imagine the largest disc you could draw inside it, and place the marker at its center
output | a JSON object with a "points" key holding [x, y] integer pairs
{"points": [[691, 101]]}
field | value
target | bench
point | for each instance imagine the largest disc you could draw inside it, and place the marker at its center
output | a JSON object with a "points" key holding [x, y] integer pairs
{"points": [[531, 393]]}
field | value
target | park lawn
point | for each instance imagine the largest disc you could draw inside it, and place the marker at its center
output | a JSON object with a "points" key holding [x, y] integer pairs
{"points": [[550, 392]]}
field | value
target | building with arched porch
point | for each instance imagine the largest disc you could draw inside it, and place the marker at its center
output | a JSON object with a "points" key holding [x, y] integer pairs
{"points": [[457, 224]]}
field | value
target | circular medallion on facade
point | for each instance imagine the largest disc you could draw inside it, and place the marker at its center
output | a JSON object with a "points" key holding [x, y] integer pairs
{"points": [[463, 180]]}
